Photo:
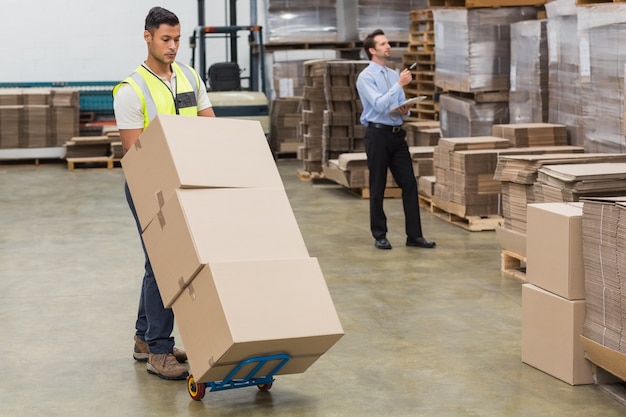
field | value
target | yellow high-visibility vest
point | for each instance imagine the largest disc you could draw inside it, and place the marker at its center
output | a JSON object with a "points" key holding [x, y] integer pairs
{"points": [[157, 98]]}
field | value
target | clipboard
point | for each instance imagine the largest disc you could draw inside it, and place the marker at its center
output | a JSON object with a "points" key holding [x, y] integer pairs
{"points": [[408, 101]]}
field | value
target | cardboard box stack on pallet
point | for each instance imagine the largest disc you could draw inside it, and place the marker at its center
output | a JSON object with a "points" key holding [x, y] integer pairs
{"points": [[225, 246], [37, 117], [473, 66], [330, 112]]}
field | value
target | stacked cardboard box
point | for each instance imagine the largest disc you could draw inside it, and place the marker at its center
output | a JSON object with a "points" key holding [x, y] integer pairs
{"points": [[37, 117], [224, 244], [473, 47], [600, 33], [473, 55], [330, 112], [422, 133], [37, 121], [565, 99], [528, 96], [524, 135], [11, 117], [65, 116], [464, 169], [463, 116], [553, 302], [285, 119]]}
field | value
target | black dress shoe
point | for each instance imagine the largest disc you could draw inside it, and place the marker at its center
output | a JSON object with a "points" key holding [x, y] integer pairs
{"points": [[420, 242], [382, 243]]}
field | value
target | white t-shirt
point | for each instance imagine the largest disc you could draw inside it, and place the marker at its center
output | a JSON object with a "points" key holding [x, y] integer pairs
{"points": [[127, 104]]}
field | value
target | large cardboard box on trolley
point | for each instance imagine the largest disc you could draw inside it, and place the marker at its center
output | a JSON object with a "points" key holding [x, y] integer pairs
{"points": [[196, 152], [200, 226], [232, 311]]}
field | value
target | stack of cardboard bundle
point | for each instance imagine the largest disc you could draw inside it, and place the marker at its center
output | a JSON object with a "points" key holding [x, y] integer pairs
{"points": [[570, 182], [523, 135], [225, 246]]}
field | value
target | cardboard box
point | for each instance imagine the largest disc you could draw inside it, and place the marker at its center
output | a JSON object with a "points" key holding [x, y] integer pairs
{"points": [[554, 252], [196, 152], [511, 240], [233, 311], [201, 226], [551, 330]]}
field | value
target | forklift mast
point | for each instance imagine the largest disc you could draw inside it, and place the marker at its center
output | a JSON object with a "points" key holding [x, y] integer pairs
{"points": [[256, 80]]}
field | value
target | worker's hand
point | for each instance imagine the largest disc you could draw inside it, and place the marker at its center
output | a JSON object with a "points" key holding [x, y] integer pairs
{"points": [[404, 109], [405, 77]]}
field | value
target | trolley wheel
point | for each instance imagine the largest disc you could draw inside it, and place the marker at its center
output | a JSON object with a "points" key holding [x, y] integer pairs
{"points": [[196, 389], [264, 387]]}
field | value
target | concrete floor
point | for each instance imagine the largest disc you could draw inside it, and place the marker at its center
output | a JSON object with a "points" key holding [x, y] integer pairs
{"points": [[428, 332]]}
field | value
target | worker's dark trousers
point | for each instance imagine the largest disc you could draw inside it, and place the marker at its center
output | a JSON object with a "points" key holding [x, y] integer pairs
{"points": [[386, 149], [154, 322]]}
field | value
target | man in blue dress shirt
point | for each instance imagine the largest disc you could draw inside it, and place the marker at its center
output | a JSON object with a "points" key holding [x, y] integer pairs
{"points": [[380, 90]]}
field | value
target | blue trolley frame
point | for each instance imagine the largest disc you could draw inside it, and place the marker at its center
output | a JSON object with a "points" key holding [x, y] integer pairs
{"points": [[252, 378]]}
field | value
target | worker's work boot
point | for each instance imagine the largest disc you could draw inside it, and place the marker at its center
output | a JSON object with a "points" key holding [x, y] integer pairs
{"points": [[142, 351], [166, 366]]}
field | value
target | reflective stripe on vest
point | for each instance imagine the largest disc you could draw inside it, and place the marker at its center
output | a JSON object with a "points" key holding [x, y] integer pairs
{"points": [[157, 98]]}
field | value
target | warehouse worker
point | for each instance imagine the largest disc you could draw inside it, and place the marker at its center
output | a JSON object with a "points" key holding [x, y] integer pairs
{"points": [[380, 90], [159, 86]]}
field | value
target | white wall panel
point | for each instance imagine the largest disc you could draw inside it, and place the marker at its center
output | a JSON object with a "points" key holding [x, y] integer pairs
{"points": [[89, 40]]}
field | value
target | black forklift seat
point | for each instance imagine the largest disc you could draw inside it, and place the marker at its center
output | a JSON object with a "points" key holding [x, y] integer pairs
{"points": [[224, 76]]}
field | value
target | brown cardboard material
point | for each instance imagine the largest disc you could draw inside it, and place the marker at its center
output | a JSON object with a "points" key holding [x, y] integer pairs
{"points": [[233, 311], [604, 357], [554, 251], [196, 227], [511, 240], [196, 152], [551, 329]]}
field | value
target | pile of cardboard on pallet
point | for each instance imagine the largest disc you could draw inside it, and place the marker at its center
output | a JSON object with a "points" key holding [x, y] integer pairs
{"points": [[572, 181], [422, 133], [330, 112], [225, 246], [37, 118], [473, 50], [350, 169], [604, 253]]}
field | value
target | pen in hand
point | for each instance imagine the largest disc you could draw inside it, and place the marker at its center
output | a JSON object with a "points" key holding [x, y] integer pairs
{"points": [[412, 67]]}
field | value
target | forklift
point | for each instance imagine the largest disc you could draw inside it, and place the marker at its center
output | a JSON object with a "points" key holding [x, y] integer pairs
{"points": [[231, 94]]}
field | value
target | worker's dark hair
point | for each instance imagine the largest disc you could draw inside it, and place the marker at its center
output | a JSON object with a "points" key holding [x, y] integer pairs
{"points": [[368, 42], [158, 16]]}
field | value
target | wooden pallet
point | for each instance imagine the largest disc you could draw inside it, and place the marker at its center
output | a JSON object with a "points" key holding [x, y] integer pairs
{"points": [[444, 211], [513, 265], [308, 175], [92, 162]]}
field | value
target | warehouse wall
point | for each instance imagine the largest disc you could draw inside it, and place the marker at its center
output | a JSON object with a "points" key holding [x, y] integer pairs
{"points": [[78, 40]]}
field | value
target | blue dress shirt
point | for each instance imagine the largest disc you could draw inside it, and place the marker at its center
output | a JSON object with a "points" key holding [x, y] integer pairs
{"points": [[379, 95]]}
